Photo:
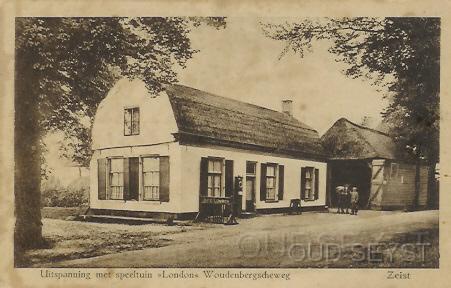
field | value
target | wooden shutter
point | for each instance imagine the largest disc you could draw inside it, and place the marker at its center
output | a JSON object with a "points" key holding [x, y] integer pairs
{"points": [[203, 187], [316, 184], [303, 183], [263, 182], [164, 178], [134, 178], [281, 182], [126, 179], [228, 178], [101, 177]]}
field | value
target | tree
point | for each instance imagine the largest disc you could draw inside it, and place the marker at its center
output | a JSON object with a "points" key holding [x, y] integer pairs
{"points": [[402, 54], [63, 69]]}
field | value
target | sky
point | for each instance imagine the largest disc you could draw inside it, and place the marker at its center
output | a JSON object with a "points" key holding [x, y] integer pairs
{"points": [[241, 63]]}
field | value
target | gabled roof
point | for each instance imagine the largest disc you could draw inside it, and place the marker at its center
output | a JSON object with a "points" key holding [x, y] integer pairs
{"points": [[207, 118], [347, 140]]}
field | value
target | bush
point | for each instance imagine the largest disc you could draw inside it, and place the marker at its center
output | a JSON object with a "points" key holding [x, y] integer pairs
{"points": [[75, 194]]}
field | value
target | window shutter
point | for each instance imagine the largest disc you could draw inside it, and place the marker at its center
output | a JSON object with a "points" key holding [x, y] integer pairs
{"points": [[101, 176], [316, 184], [263, 182], [126, 179], [303, 183], [228, 178], [281, 181], [203, 187], [164, 178], [134, 178]]}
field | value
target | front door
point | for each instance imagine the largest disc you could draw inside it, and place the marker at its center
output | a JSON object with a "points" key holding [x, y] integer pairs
{"points": [[250, 194]]}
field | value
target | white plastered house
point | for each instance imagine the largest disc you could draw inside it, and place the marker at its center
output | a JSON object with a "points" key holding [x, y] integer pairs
{"points": [[166, 154]]}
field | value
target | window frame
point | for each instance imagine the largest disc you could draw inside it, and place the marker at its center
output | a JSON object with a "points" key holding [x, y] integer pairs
{"points": [[275, 183], [132, 112], [213, 173], [254, 164], [143, 197], [311, 179], [109, 178]]}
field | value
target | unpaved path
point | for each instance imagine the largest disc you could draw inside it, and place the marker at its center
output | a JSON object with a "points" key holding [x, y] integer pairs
{"points": [[273, 241]]}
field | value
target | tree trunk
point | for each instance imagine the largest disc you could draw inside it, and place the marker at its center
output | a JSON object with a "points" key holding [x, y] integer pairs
{"points": [[27, 152]]}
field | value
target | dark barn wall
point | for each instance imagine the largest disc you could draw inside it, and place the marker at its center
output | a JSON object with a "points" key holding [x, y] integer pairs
{"points": [[353, 172]]}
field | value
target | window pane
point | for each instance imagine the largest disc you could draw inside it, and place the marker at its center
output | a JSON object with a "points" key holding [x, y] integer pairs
{"points": [[210, 165], [210, 181], [146, 179], [151, 164], [250, 168], [135, 121], [270, 194], [270, 171], [270, 182], [156, 179], [116, 165], [217, 180], [217, 192], [217, 166], [127, 122]]}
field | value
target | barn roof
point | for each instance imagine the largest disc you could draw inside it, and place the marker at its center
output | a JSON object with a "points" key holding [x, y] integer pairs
{"points": [[347, 140], [207, 118]]}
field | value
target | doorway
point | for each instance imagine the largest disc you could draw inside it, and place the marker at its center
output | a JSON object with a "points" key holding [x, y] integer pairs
{"points": [[353, 172], [250, 194], [251, 171]]}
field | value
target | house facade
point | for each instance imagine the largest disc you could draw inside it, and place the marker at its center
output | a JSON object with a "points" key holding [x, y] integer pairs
{"points": [[167, 154], [367, 158]]}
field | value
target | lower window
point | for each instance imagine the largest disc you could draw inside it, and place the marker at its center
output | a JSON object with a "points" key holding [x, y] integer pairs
{"points": [[116, 178], [151, 178], [214, 188], [271, 182]]}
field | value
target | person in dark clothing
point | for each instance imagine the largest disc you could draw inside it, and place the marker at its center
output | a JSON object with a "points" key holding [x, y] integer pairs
{"points": [[354, 197]]}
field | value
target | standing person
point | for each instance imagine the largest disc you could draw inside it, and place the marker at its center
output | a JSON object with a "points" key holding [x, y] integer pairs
{"points": [[339, 192], [354, 200]]}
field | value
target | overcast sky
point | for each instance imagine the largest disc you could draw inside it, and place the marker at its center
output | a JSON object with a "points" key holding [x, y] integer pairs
{"points": [[241, 63]]}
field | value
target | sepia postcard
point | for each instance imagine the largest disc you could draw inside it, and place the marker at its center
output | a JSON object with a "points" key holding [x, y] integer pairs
{"points": [[239, 143]]}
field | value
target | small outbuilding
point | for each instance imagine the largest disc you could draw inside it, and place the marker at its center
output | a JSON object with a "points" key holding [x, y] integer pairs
{"points": [[367, 158]]}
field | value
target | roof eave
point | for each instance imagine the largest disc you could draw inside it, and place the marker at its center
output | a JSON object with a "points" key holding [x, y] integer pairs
{"points": [[186, 138]]}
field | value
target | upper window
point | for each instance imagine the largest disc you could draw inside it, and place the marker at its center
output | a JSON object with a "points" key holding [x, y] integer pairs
{"points": [[151, 178], [215, 168], [116, 178], [131, 121], [271, 182]]}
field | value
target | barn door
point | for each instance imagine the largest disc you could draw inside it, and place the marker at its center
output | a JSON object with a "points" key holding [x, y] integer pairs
{"points": [[377, 183]]}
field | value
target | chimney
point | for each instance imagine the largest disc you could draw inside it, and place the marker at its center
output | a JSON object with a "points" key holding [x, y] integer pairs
{"points": [[287, 107]]}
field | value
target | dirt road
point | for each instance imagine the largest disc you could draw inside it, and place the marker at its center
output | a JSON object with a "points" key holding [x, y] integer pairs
{"points": [[371, 239]]}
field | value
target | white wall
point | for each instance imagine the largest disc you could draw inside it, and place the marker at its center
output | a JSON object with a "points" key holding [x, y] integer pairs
{"points": [[157, 120], [185, 177], [174, 205], [190, 161]]}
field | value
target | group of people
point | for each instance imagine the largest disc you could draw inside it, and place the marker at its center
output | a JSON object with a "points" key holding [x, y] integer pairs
{"points": [[347, 199]]}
